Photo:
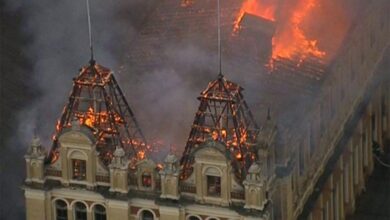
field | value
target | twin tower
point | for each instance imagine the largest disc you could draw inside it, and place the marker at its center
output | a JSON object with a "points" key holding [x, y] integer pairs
{"points": [[100, 156]]}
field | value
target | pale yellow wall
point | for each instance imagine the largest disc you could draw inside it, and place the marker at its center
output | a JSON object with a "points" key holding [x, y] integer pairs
{"points": [[35, 204], [169, 213], [118, 210]]}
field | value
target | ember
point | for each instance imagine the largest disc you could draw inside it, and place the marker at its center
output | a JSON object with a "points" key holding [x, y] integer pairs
{"points": [[261, 8], [224, 116], [290, 40], [97, 103], [187, 3]]}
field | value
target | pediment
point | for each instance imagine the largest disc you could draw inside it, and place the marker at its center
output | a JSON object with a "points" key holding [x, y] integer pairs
{"points": [[210, 153], [146, 163], [75, 137]]}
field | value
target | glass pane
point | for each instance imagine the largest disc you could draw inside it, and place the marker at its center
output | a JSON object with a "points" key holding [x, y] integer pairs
{"points": [[146, 180], [213, 186], [61, 210], [147, 215], [80, 211], [100, 212], [79, 169]]}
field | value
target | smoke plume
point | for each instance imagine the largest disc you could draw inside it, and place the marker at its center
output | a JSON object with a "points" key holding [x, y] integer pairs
{"points": [[162, 98]]}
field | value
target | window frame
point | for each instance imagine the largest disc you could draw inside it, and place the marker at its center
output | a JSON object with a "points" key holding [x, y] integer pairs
{"points": [[146, 176], [82, 170], [216, 181], [57, 209], [143, 211], [77, 211], [102, 213]]}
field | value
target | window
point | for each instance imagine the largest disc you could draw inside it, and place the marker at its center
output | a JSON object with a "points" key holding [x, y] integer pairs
{"points": [[99, 212], [61, 210], [384, 113], [311, 140], [301, 160], [373, 127], [383, 106], [346, 183], [213, 186], [80, 211], [79, 169], [147, 215], [146, 179]]}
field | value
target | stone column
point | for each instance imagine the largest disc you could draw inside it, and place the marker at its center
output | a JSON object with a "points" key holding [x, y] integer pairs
{"points": [[255, 196], [119, 172], [117, 209], [35, 204], [35, 158], [170, 178], [169, 213]]}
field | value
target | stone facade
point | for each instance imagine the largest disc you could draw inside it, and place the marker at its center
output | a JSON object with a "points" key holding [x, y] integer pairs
{"points": [[318, 176]]}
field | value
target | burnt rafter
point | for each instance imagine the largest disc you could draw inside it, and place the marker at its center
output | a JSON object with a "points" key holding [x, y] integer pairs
{"points": [[97, 102], [224, 116]]}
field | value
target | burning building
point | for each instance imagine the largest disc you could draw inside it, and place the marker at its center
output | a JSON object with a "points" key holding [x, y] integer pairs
{"points": [[303, 150]]}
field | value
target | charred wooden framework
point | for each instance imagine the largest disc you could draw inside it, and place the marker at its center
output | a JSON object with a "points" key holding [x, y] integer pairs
{"points": [[224, 116], [97, 102]]}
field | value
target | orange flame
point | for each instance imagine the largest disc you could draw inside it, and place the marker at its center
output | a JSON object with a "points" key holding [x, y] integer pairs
{"points": [[160, 166], [55, 156], [290, 40], [239, 156], [186, 3], [141, 154], [261, 8]]}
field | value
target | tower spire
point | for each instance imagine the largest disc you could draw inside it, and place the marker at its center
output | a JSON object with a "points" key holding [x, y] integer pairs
{"points": [[90, 32], [220, 75]]}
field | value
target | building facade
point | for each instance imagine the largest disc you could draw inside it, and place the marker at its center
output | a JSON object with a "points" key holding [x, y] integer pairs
{"points": [[317, 174]]}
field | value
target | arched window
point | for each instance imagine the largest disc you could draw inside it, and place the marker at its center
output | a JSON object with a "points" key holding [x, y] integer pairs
{"points": [[147, 215], [61, 210], [194, 218], [99, 212], [80, 211]]}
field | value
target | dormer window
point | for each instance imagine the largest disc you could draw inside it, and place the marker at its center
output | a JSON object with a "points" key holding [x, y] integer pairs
{"points": [[79, 169], [146, 180], [214, 186]]}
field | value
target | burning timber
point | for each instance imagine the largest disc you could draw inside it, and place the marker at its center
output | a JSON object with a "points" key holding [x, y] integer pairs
{"points": [[223, 116], [317, 122], [97, 103]]}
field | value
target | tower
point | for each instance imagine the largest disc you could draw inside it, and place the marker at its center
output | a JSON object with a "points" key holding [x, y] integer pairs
{"points": [[170, 178], [97, 102], [35, 162], [223, 115], [119, 172], [255, 188]]}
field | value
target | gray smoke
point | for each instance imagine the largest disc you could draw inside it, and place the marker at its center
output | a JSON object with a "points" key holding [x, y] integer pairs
{"points": [[56, 47], [163, 98], [59, 47]]}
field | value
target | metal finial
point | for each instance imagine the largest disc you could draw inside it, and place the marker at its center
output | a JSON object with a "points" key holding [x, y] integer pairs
{"points": [[219, 40], [35, 133], [92, 61], [269, 113]]}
